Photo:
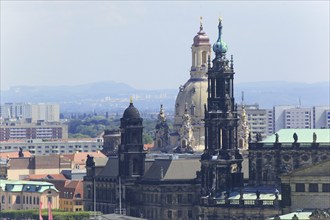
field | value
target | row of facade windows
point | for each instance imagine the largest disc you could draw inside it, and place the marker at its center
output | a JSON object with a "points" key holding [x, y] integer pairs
{"points": [[179, 214], [179, 199], [26, 200], [312, 187], [170, 199]]}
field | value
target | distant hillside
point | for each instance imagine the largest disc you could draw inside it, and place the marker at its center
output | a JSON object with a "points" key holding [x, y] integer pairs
{"points": [[65, 93], [110, 95], [268, 94]]}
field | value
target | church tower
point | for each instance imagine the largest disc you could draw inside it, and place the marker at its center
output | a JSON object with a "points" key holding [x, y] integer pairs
{"points": [[131, 153], [193, 94], [221, 160]]}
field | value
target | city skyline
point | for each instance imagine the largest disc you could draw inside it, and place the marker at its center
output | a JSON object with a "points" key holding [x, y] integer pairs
{"points": [[147, 44]]}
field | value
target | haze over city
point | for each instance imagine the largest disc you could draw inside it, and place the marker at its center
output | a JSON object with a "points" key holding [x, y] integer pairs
{"points": [[147, 44]]}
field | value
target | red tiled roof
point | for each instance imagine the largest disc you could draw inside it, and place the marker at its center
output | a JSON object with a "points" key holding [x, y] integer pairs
{"points": [[68, 188], [46, 177], [148, 146], [81, 157], [14, 154]]}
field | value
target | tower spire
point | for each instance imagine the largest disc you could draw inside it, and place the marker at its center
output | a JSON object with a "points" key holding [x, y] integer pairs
{"points": [[220, 47]]}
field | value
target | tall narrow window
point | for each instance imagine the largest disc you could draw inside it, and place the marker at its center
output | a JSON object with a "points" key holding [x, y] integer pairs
{"points": [[18, 200], [169, 214], [204, 57], [135, 166]]}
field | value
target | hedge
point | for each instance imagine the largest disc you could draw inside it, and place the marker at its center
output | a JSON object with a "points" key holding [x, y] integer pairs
{"points": [[34, 214]]}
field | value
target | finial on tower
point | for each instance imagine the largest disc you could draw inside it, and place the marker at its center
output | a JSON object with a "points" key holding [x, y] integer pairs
{"points": [[232, 62], [201, 23], [220, 47], [130, 100]]}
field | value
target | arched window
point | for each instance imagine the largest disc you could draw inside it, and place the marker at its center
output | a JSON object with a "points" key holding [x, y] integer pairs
{"points": [[18, 200], [192, 110], [89, 192], [204, 57], [3, 199]]}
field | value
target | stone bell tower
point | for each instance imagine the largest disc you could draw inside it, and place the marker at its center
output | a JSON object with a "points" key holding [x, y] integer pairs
{"points": [[131, 153], [221, 160]]}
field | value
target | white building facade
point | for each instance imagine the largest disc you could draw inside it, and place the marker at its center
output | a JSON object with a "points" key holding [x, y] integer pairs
{"points": [[44, 147], [30, 112]]}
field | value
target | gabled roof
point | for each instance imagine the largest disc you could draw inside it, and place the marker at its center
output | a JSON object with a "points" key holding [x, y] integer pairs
{"points": [[304, 136], [68, 189], [81, 157], [172, 170], [14, 154], [21, 163], [111, 169]]}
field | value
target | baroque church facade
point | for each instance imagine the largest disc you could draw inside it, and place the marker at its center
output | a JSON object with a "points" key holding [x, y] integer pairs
{"points": [[194, 186]]}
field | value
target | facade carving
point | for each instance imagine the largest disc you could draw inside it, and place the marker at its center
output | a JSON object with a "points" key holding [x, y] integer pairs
{"points": [[186, 137], [162, 138], [243, 131]]}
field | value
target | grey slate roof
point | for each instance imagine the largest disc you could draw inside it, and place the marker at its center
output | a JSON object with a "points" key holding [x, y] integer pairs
{"points": [[111, 169], [173, 169]]}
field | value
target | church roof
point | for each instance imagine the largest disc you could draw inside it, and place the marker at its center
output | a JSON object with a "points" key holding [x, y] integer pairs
{"points": [[304, 136], [26, 186], [111, 169], [131, 112], [173, 169], [201, 38]]}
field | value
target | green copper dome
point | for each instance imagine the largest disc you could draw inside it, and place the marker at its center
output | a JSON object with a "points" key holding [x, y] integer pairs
{"points": [[220, 46]]}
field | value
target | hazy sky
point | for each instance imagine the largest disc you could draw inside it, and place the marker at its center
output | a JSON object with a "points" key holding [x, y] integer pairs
{"points": [[147, 44]]}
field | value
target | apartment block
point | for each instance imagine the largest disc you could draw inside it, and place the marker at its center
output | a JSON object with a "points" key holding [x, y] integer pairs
{"points": [[257, 119], [30, 112], [47, 147], [22, 131], [301, 117]]}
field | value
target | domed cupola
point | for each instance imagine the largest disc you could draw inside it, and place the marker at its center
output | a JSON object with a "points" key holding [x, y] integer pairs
{"points": [[201, 49], [220, 47], [131, 112], [193, 94], [201, 38]]}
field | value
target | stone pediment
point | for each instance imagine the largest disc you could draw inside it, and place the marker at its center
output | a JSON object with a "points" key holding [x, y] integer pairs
{"points": [[319, 169]]}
